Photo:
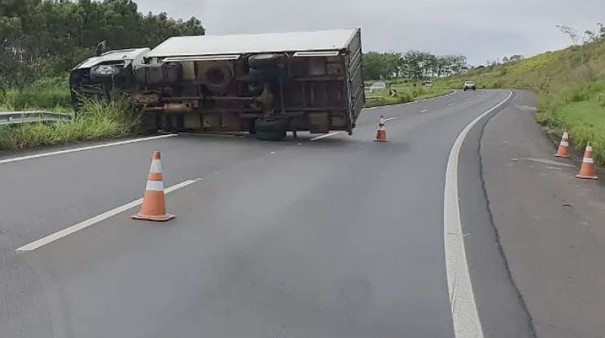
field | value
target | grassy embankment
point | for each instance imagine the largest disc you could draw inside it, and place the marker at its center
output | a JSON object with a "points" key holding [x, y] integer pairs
{"points": [[405, 93], [571, 89], [102, 120]]}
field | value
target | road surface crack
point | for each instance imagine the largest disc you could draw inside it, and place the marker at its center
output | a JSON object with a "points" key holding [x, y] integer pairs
{"points": [[530, 328]]}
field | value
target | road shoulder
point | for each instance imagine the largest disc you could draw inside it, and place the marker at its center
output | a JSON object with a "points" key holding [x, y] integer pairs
{"points": [[548, 222], [501, 310]]}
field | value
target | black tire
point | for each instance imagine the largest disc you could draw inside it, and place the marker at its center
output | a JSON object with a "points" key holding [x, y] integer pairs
{"points": [[263, 61], [218, 77], [270, 135], [103, 73], [271, 129], [149, 124]]}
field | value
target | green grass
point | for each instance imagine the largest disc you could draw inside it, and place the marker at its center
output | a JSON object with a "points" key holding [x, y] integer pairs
{"points": [[404, 94], [50, 93], [570, 84], [102, 120]]}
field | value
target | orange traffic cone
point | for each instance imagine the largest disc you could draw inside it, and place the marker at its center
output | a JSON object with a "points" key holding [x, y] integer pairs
{"points": [[563, 150], [154, 203], [588, 169], [381, 133]]}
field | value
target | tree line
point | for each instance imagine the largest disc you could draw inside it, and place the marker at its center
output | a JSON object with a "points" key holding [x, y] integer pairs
{"points": [[414, 65], [41, 38], [47, 37]]}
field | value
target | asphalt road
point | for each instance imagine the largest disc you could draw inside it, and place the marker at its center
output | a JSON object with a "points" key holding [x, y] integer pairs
{"points": [[549, 222], [339, 237]]}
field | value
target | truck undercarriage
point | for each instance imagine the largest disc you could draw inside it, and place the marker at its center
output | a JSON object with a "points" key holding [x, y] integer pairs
{"points": [[265, 93]]}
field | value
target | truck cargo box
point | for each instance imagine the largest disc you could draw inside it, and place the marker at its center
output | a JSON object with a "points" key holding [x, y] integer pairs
{"points": [[261, 83]]}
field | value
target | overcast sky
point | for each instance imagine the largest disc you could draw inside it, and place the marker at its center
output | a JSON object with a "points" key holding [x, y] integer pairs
{"points": [[479, 29]]}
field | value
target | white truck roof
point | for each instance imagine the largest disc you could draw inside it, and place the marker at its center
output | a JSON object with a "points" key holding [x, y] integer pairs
{"points": [[253, 43]]}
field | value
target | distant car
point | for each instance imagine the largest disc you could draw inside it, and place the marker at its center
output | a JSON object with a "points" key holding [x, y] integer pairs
{"points": [[427, 83], [468, 85]]}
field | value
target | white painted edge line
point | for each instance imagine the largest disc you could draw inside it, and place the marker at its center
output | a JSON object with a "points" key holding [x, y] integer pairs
{"points": [[326, 135], [390, 119], [74, 150], [91, 221], [462, 298], [413, 102]]}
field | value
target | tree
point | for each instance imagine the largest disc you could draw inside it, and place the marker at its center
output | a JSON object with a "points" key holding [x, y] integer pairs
{"points": [[414, 65], [593, 36], [441, 66], [411, 65], [375, 66], [571, 32], [40, 37]]}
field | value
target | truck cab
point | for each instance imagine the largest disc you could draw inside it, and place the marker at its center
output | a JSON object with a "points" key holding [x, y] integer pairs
{"points": [[98, 76]]}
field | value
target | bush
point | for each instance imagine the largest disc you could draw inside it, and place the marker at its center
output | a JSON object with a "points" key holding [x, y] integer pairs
{"points": [[45, 93], [404, 95], [101, 120]]}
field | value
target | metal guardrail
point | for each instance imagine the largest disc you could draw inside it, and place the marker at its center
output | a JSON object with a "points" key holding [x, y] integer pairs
{"points": [[18, 117]]}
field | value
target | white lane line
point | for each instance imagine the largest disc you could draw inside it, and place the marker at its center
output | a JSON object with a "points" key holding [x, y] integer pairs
{"points": [[450, 104], [462, 298], [91, 221], [390, 119], [75, 150], [413, 102], [423, 111], [326, 135]]}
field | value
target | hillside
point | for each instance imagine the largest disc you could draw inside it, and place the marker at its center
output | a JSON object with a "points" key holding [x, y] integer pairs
{"points": [[571, 88]]}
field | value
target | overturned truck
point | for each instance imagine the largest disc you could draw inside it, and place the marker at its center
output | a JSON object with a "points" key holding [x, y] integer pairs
{"points": [[264, 84]]}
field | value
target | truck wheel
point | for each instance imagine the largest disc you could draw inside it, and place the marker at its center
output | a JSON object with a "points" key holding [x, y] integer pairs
{"points": [[218, 77], [149, 124], [270, 135], [271, 130], [103, 73]]}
